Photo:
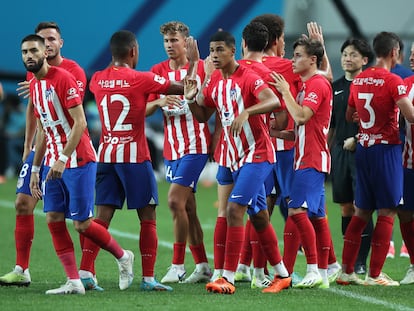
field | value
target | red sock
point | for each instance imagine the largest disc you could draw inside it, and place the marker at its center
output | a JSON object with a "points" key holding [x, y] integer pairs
{"points": [[332, 256], [307, 237], [199, 253], [246, 250], [178, 253], [90, 250], [64, 248], [291, 242], [352, 242], [148, 244], [23, 237], [268, 241], [234, 241], [101, 236], [380, 243], [220, 232], [407, 233], [323, 241], [259, 257]]}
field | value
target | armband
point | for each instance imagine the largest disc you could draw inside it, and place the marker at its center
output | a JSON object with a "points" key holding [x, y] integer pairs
{"points": [[35, 169], [63, 158]]}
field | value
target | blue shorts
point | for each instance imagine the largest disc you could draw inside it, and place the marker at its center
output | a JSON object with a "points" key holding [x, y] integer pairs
{"points": [[134, 181], [23, 181], [73, 194], [185, 171], [379, 178], [271, 183], [285, 171], [308, 191], [280, 179], [408, 190], [249, 186], [224, 176]]}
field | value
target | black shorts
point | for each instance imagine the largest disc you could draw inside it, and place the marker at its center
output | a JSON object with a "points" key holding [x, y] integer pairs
{"points": [[343, 174]]}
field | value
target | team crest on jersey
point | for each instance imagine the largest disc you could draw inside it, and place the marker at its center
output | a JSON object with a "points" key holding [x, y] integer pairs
{"points": [[312, 97], [233, 94], [402, 90], [49, 93], [159, 79], [20, 182]]}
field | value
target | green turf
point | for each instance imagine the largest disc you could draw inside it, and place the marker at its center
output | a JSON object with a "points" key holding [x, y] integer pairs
{"points": [[47, 272]]}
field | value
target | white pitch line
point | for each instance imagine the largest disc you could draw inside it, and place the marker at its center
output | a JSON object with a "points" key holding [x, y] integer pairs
{"points": [[370, 300], [169, 245]]}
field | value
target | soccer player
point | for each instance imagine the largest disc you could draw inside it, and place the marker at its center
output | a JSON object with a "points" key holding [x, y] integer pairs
{"points": [[279, 181], [311, 114], [404, 72], [186, 151], [283, 168], [377, 96], [25, 203], [406, 211], [69, 169], [399, 69], [355, 53], [239, 96], [254, 40], [121, 94]]}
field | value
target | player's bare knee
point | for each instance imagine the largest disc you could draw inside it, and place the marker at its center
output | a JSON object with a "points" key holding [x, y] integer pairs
{"points": [[260, 220], [24, 205], [81, 226], [176, 205]]}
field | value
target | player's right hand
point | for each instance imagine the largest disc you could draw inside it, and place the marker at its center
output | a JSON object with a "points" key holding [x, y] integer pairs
{"points": [[350, 144], [171, 101], [35, 186], [190, 88]]}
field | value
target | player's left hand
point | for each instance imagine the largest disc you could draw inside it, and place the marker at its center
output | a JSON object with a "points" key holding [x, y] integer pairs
{"points": [[355, 117], [274, 132], [279, 82], [24, 89], [315, 32]]}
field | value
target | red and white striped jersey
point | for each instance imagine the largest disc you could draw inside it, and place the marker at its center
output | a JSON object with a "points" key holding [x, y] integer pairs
{"points": [[311, 147], [264, 72], [75, 70], [52, 97], [121, 95], [284, 67], [409, 128], [183, 134], [230, 97], [374, 93]]}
